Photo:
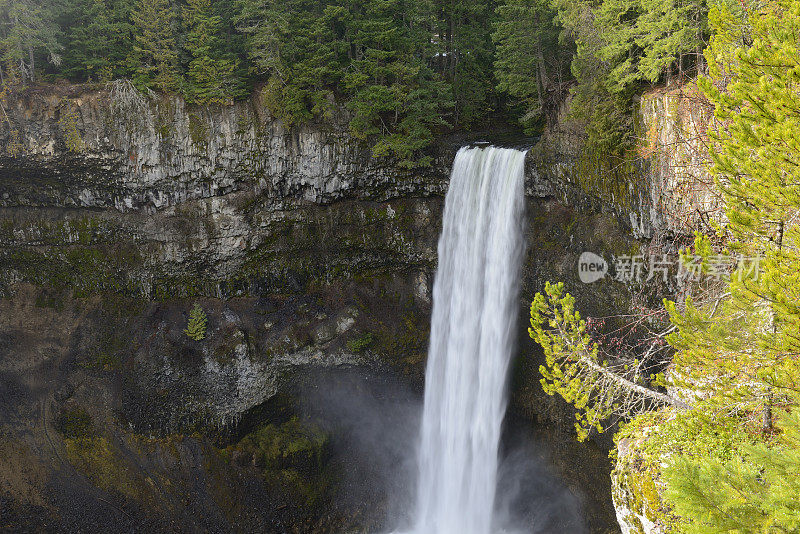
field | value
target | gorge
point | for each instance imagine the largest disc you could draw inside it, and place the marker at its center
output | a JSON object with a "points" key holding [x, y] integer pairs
{"points": [[314, 264], [264, 266]]}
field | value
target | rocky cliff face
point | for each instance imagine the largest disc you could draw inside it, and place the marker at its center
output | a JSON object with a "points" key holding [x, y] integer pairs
{"points": [[117, 215], [312, 261], [674, 144], [664, 188]]}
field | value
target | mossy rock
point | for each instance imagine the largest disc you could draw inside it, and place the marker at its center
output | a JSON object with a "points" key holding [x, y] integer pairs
{"points": [[292, 445], [75, 423], [97, 459], [642, 447]]}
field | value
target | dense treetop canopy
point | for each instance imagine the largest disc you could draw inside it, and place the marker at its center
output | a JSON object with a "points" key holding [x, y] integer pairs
{"points": [[405, 70]]}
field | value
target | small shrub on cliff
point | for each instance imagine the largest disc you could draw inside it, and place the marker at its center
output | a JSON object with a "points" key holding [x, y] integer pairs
{"points": [[68, 124], [196, 329], [361, 342]]}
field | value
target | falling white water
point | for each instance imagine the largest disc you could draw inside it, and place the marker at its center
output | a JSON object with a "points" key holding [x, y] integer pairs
{"points": [[472, 335]]}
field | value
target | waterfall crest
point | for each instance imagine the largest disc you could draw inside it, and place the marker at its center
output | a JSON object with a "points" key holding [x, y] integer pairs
{"points": [[472, 336]]}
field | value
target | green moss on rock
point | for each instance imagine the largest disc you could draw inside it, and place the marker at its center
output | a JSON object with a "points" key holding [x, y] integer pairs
{"points": [[646, 443], [290, 445]]}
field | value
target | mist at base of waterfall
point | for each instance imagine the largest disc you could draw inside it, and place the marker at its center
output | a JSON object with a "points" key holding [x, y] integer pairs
{"points": [[531, 497], [374, 419]]}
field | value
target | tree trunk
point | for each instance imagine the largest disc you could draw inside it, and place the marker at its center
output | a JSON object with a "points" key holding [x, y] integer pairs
{"points": [[33, 66], [543, 82], [627, 384], [767, 413]]}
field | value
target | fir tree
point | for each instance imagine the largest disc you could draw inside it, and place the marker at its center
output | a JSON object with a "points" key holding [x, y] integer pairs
{"points": [[393, 93], [26, 30], [155, 53], [530, 65], [211, 76], [605, 114], [98, 39], [463, 54], [617, 21], [670, 30], [298, 46], [196, 329], [644, 39], [233, 44]]}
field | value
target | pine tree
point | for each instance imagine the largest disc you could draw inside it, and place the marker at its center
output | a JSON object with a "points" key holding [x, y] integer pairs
{"points": [[575, 368], [756, 491], [529, 64], [742, 351], [211, 76], [748, 342], [196, 329], [155, 52], [98, 38], [738, 352], [26, 30]]}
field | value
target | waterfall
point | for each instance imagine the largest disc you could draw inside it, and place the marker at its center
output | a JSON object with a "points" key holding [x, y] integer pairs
{"points": [[472, 336]]}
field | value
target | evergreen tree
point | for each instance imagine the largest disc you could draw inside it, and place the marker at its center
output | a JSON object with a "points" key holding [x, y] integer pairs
{"points": [[644, 39], [233, 43], [617, 21], [754, 492], [670, 30], [211, 76], [606, 115], [619, 45], [26, 30], [375, 55], [747, 354], [196, 329], [298, 46], [738, 353], [530, 64], [575, 368], [393, 93], [463, 53], [99, 36], [748, 341], [155, 52]]}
